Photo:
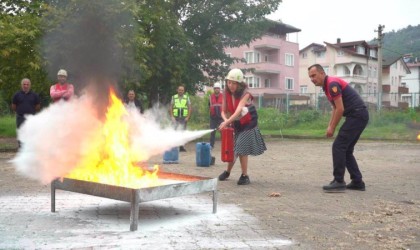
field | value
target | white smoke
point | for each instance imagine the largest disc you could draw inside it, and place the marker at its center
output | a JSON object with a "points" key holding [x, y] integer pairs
{"points": [[56, 139]]}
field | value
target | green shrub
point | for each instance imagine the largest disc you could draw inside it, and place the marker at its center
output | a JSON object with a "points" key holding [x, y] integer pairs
{"points": [[271, 119], [8, 126]]}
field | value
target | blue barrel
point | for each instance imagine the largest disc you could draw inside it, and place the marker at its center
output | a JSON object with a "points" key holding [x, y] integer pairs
{"points": [[203, 154], [171, 156]]}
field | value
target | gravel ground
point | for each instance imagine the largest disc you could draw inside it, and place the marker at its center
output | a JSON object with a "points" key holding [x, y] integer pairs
{"points": [[286, 198]]}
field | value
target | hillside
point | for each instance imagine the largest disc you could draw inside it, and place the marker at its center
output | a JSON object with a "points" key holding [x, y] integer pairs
{"points": [[401, 42]]}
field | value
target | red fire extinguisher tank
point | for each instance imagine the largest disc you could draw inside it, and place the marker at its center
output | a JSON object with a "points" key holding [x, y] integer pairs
{"points": [[227, 145]]}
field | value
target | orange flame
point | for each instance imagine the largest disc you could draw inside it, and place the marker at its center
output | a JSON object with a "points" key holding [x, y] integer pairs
{"points": [[107, 158], [418, 137]]}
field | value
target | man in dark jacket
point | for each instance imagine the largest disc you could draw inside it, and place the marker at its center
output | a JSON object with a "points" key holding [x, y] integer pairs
{"points": [[25, 102], [132, 103]]}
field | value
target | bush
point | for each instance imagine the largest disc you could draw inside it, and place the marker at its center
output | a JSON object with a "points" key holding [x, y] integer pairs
{"points": [[271, 119], [386, 118], [200, 112]]}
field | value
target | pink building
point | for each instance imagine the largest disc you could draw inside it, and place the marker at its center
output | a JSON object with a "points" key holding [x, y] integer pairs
{"points": [[271, 63]]}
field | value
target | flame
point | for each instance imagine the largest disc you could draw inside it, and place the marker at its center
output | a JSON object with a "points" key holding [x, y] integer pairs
{"points": [[418, 137], [107, 159]]}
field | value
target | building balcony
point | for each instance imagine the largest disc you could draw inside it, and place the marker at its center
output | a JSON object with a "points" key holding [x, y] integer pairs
{"points": [[403, 90], [361, 80], [267, 43], [266, 47], [265, 68], [386, 88]]}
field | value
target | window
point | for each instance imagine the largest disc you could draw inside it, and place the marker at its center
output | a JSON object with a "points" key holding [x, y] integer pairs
{"points": [[340, 53], [320, 54], [304, 55], [252, 81], [360, 50], [303, 89], [289, 84], [289, 60], [252, 57], [326, 69], [265, 58], [229, 55], [373, 53], [267, 83]]}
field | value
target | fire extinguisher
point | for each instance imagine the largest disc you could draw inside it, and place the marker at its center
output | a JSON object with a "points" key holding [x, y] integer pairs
{"points": [[227, 145]]}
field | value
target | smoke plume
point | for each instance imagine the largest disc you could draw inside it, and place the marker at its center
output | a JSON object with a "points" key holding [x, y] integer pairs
{"points": [[55, 140]]}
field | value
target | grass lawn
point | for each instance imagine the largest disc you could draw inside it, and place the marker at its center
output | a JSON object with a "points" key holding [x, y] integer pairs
{"points": [[387, 131]]}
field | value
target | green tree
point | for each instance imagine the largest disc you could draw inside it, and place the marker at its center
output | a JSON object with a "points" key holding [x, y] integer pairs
{"points": [[188, 37], [20, 31], [151, 46]]}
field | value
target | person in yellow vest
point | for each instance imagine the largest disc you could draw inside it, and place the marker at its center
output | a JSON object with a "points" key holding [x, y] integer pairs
{"points": [[180, 110]]}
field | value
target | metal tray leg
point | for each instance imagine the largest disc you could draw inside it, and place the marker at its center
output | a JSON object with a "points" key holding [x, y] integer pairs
{"points": [[134, 211]]}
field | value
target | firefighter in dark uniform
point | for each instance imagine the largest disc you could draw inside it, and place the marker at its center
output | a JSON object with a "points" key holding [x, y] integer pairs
{"points": [[345, 101], [180, 110]]}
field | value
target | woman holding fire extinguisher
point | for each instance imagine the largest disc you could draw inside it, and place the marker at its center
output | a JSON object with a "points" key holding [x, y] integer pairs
{"points": [[238, 111]]}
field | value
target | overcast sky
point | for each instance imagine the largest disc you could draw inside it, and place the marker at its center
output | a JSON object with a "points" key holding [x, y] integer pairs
{"points": [[351, 20]]}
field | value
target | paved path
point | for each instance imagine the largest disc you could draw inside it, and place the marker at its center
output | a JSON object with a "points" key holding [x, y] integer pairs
{"points": [[386, 216]]}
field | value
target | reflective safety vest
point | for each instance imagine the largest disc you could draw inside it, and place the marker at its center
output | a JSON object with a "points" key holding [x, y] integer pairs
{"points": [[246, 121], [180, 106], [216, 105]]}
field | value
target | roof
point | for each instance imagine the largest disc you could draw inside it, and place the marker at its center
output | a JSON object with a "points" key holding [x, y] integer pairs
{"points": [[388, 61], [317, 47], [282, 28], [346, 47]]}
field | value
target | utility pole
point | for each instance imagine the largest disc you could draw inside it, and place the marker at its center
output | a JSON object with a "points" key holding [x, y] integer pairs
{"points": [[380, 41]]}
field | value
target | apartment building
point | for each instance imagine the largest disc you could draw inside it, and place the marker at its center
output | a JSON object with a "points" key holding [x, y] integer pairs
{"points": [[271, 63], [412, 82], [394, 90], [355, 62]]}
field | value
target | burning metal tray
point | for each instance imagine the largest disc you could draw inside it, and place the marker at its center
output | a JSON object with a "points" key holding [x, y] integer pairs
{"points": [[185, 185]]}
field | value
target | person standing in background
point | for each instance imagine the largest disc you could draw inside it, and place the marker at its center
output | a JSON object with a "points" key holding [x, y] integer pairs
{"points": [[25, 102], [238, 110], [62, 90], [215, 105], [180, 110], [132, 103], [345, 101]]}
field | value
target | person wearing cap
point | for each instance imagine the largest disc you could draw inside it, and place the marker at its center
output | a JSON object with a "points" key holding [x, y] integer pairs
{"points": [[215, 105], [62, 90], [238, 110]]}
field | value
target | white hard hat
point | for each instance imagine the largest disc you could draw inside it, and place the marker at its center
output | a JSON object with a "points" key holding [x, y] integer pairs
{"points": [[216, 85], [235, 75], [62, 72]]}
